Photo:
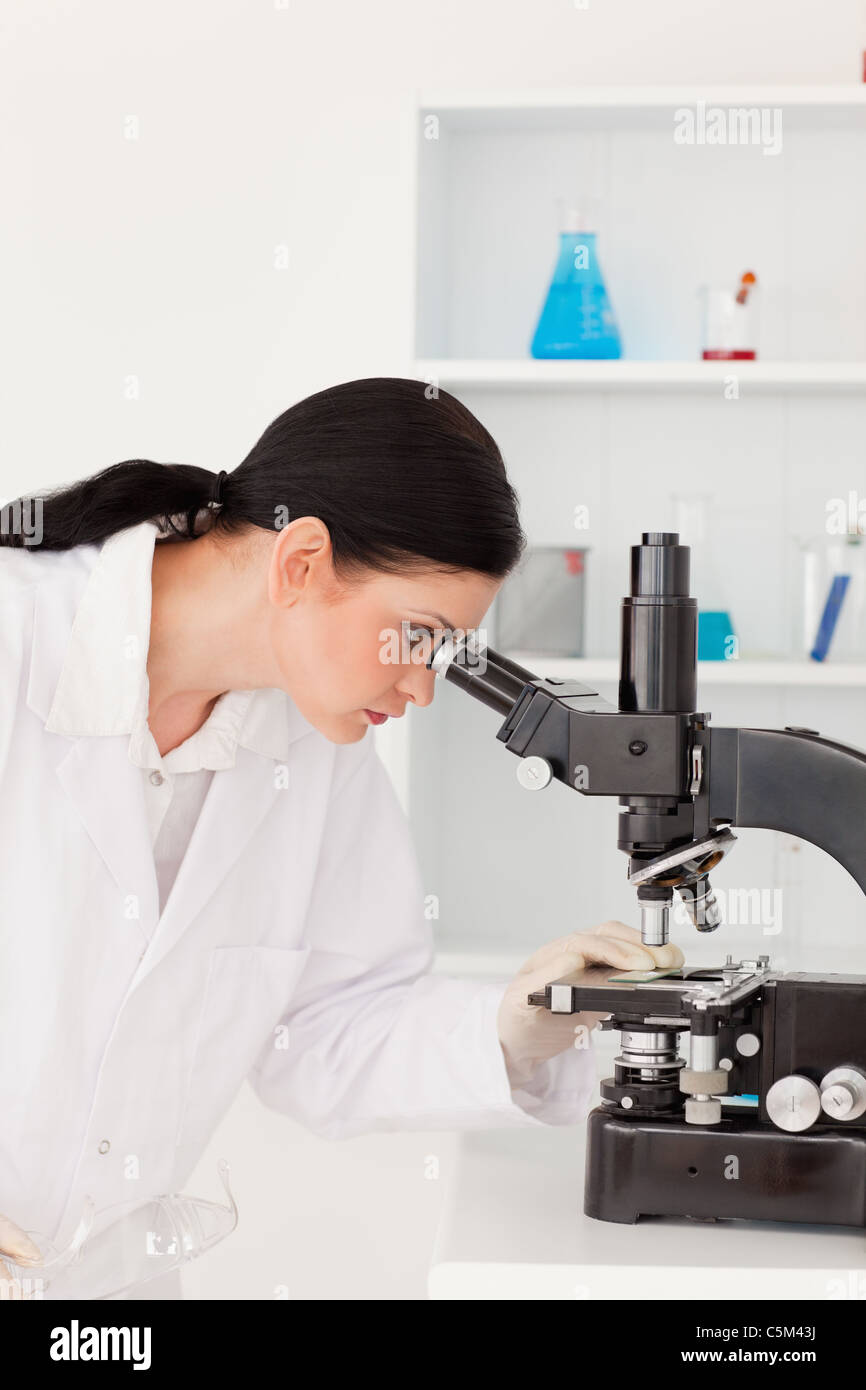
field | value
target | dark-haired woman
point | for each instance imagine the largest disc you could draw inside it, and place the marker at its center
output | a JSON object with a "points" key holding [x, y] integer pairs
{"points": [[206, 874]]}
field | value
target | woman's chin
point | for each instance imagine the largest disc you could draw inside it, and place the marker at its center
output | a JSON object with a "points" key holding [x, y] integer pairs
{"points": [[345, 728]]}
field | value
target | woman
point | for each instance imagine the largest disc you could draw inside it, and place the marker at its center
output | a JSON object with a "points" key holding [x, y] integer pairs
{"points": [[206, 873]]}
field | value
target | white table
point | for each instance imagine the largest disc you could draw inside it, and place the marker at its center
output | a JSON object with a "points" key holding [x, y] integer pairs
{"points": [[513, 1227]]}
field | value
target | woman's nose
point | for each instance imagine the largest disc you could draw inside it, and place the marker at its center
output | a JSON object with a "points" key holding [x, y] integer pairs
{"points": [[417, 684]]}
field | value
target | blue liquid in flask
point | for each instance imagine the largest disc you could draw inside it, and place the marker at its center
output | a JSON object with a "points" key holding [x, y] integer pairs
{"points": [[577, 320]]}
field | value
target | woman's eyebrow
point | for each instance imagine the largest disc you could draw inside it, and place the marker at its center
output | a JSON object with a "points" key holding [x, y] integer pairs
{"points": [[442, 620]]}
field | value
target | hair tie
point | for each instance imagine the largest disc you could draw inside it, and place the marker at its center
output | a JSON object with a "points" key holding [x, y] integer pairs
{"points": [[217, 494]]}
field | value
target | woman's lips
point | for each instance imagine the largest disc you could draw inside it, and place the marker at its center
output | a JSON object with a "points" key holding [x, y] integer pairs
{"points": [[374, 717]]}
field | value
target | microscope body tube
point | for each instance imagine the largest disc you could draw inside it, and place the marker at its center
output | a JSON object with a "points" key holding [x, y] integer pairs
{"points": [[658, 659], [658, 675]]}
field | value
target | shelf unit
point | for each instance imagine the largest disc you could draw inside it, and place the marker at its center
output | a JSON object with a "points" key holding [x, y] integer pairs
{"points": [[620, 437], [485, 188]]}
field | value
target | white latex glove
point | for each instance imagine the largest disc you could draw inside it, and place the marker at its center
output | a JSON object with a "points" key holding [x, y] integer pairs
{"points": [[19, 1247], [529, 1033]]}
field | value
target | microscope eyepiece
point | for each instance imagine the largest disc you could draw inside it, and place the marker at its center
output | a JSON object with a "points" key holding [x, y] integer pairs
{"points": [[464, 659], [660, 566]]}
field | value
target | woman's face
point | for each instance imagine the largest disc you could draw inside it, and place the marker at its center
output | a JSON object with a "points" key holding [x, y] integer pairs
{"points": [[343, 649]]}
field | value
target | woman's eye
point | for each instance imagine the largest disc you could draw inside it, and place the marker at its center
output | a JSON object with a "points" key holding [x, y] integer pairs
{"points": [[418, 633]]}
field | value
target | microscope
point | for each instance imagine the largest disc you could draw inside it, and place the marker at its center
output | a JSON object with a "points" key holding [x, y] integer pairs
{"points": [[765, 1116]]}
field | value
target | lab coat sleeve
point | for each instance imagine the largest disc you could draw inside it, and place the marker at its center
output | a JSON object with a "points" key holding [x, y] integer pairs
{"points": [[371, 1040]]}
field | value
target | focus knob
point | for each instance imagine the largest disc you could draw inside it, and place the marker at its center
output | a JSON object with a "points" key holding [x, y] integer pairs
{"points": [[534, 773], [843, 1093], [793, 1103]]}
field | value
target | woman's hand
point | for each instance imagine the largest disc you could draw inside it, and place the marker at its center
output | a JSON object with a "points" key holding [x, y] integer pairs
{"points": [[17, 1245], [529, 1033]]}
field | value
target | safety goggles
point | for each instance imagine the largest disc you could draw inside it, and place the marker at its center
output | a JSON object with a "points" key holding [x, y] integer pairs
{"points": [[123, 1246]]}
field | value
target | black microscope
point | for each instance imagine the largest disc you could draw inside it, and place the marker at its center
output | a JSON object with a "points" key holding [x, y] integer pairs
{"points": [[788, 1047]]}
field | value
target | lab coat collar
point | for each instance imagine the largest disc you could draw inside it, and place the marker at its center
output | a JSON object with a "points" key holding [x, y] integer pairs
{"points": [[103, 682]]}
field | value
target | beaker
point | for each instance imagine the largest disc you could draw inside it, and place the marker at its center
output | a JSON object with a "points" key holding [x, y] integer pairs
{"points": [[730, 328], [831, 614], [717, 640]]}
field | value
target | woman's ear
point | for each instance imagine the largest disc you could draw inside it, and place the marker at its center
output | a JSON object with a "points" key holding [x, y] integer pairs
{"points": [[300, 561]]}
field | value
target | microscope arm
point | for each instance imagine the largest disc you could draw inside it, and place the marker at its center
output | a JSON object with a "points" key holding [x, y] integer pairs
{"points": [[792, 780]]}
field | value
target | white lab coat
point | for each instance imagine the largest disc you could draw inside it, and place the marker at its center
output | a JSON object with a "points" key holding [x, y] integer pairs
{"points": [[293, 949]]}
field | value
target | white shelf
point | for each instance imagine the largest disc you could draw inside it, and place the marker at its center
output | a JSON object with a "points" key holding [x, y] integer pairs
{"points": [[624, 375], [621, 107], [742, 672]]}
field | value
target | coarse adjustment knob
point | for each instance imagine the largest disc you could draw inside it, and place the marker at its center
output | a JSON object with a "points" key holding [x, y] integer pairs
{"points": [[534, 773], [843, 1093], [703, 1112], [704, 1083], [793, 1103]]}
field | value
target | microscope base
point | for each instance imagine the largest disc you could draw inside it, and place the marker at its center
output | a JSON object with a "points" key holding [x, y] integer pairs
{"points": [[661, 1166]]}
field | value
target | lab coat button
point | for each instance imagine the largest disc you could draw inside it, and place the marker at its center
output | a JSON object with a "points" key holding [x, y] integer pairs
{"points": [[104, 1146], [157, 779]]}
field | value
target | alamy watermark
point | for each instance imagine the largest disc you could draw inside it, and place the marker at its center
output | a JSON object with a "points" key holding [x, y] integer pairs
{"points": [[743, 907], [23, 518], [415, 644], [733, 125], [846, 516]]}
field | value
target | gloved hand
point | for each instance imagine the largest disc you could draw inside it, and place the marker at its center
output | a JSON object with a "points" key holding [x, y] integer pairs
{"points": [[529, 1033], [18, 1246]]}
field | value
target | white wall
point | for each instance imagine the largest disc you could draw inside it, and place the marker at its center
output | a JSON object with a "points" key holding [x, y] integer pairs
{"points": [[143, 316], [264, 125]]}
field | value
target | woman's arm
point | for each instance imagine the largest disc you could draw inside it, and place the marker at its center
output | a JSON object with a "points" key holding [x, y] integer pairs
{"points": [[374, 1041]]}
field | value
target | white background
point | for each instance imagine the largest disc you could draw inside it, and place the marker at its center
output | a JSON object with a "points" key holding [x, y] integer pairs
{"points": [[147, 267]]}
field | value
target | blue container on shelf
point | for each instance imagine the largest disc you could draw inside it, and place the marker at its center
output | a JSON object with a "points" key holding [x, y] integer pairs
{"points": [[577, 320], [717, 640]]}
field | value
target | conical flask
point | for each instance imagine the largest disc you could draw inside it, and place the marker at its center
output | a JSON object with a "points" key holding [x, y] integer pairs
{"points": [[577, 320]]}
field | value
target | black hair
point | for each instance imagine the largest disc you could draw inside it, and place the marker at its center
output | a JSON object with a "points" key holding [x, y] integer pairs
{"points": [[401, 473]]}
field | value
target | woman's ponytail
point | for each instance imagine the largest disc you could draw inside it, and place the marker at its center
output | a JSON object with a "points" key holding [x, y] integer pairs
{"points": [[87, 512]]}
